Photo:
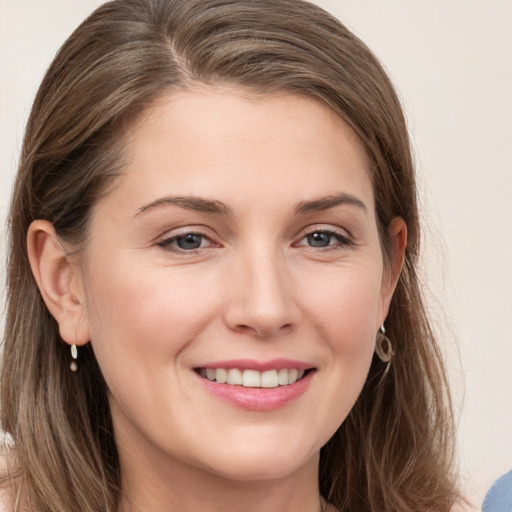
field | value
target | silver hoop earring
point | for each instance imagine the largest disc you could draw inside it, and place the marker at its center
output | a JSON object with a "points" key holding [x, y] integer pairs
{"points": [[384, 348], [74, 355]]}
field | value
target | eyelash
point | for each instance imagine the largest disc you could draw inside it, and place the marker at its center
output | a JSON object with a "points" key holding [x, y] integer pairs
{"points": [[342, 241], [169, 244]]}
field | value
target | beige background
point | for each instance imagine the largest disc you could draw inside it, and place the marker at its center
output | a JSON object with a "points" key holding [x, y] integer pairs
{"points": [[452, 61]]}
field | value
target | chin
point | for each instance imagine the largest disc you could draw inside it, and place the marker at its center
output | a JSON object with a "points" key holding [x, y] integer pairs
{"points": [[259, 463], [251, 471]]}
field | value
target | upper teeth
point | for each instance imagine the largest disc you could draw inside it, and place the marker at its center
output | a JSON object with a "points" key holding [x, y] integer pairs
{"points": [[253, 378]]}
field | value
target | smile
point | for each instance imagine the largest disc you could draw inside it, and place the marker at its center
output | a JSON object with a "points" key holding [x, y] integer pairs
{"points": [[253, 378], [256, 385]]}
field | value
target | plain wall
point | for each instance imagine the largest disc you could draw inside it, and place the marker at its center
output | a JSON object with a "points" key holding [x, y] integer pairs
{"points": [[452, 63]]}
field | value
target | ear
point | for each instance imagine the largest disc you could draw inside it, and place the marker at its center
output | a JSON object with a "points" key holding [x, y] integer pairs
{"points": [[58, 277], [397, 232]]}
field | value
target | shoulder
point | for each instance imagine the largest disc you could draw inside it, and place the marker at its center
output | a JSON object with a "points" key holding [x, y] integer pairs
{"points": [[6, 501], [7, 482], [457, 507], [6, 495]]}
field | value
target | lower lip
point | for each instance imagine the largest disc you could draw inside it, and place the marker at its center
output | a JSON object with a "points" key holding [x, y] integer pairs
{"points": [[258, 399]]}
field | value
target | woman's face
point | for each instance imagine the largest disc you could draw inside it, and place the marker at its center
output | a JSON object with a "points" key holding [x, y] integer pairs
{"points": [[241, 244]]}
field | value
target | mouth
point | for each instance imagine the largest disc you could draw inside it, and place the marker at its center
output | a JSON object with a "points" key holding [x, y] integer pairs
{"points": [[250, 378], [256, 385]]}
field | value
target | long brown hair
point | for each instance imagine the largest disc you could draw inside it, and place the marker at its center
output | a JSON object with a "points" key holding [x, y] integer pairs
{"points": [[394, 451]]}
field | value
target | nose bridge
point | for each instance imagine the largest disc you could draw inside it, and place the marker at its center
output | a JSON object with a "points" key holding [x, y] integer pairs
{"points": [[262, 302]]}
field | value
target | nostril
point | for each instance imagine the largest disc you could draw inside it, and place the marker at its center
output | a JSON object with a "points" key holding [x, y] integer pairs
{"points": [[244, 328], [262, 330]]}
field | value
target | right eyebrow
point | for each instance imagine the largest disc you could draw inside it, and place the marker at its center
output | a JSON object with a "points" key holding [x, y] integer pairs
{"points": [[195, 203], [324, 203]]}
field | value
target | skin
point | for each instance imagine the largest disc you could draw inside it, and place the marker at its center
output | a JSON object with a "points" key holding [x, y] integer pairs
{"points": [[259, 286]]}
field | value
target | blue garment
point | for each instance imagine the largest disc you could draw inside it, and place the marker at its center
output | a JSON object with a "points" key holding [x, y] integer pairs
{"points": [[499, 496]]}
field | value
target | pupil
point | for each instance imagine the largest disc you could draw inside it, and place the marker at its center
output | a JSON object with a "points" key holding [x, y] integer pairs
{"points": [[189, 241], [319, 239]]}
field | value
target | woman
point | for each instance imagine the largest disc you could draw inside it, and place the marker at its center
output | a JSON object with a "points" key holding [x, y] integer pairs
{"points": [[214, 215]]}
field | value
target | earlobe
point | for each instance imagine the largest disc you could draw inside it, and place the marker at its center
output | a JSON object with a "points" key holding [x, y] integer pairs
{"points": [[57, 276]]}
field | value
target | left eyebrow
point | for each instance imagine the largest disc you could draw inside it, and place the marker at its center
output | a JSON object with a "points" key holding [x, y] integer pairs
{"points": [[324, 203], [198, 204]]}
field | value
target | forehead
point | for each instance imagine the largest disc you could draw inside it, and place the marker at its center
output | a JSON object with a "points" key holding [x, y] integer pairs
{"points": [[214, 141]]}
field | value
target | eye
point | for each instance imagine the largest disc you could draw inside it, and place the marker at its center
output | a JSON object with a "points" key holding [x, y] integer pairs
{"points": [[190, 241], [186, 242], [321, 239]]}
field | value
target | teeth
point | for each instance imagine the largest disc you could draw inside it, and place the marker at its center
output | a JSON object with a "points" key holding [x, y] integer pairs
{"points": [[283, 377], [221, 375], [269, 379], [235, 377], [252, 378]]}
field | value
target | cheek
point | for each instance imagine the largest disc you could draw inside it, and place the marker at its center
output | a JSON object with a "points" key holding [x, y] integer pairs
{"points": [[346, 309], [344, 312], [142, 320], [138, 313]]}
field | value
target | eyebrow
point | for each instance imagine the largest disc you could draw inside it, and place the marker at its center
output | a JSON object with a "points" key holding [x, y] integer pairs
{"points": [[324, 203], [198, 204]]}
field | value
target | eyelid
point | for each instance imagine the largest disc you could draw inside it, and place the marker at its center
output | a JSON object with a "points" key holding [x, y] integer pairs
{"points": [[165, 241], [344, 236]]}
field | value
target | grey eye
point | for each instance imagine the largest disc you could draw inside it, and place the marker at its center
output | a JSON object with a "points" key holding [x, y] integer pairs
{"points": [[190, 241], [319, 239]]}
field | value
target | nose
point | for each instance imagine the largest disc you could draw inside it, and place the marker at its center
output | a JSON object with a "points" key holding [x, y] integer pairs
{"points": [[262, 300]]}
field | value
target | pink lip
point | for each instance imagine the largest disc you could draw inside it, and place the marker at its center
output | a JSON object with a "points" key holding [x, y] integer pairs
{"points": [[257, 399], [261, 366]]}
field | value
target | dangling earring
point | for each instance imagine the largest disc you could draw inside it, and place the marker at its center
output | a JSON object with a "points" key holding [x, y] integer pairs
{"points": [[74, 354], [383, 348]]}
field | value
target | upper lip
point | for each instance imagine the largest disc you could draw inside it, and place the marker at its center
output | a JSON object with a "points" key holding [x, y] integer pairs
{"points": [[261, 366]]}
